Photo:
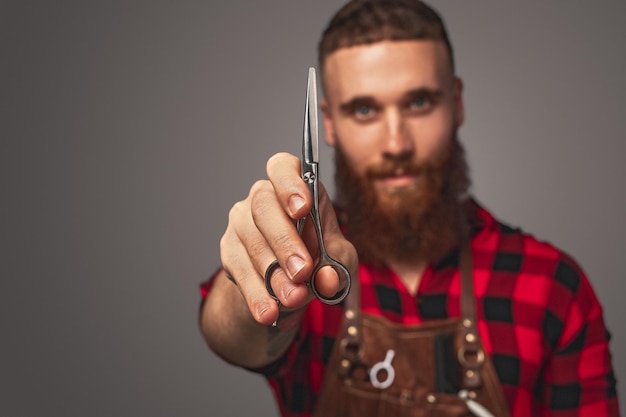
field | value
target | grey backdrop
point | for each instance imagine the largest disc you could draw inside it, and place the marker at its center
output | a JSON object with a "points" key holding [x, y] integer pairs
{"points": [[128, 129]]}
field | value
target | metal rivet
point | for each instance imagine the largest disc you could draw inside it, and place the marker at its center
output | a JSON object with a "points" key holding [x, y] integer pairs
{"points": [[467, 322], [352, 331], [345, 363], [431, 398], [469, 373], [349, 314], [406, 395], [470, 338], [472, 394]]}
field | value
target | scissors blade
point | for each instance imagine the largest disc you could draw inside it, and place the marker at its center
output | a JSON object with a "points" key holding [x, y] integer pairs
{"points": [[310, 142]]}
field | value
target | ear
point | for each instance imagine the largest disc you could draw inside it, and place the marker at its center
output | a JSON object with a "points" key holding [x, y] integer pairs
{"points": [[459, 107], [329, 129]]}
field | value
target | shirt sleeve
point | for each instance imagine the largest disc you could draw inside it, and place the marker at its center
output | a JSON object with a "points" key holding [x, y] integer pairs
{"points": [[205, 288], [578, 379]]}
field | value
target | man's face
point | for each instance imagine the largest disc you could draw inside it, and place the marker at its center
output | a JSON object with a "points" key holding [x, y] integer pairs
{"points": [[392, 112], [391, 101]]}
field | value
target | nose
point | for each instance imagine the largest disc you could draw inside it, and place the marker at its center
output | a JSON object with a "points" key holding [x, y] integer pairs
{"points": [[397, 139]]}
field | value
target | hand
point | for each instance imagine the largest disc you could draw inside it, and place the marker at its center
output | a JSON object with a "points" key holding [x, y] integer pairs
{"points": [[262, 229]]}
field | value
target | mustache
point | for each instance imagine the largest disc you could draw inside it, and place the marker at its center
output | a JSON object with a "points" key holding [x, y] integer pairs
{"points": [[400, 165]]}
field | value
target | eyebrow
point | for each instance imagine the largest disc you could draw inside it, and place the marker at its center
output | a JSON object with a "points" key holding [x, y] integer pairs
{"points": [[424, 91], [352, 104]]}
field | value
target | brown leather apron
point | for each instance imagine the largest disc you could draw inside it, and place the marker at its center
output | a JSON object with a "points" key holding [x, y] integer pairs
{"points": [[379, 368]]}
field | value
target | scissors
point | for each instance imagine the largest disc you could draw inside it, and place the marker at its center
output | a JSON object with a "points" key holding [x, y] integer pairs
{"points": [[310, 175]]}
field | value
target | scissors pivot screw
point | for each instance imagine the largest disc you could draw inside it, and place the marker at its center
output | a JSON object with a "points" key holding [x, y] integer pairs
{"points": [[309, 177]]}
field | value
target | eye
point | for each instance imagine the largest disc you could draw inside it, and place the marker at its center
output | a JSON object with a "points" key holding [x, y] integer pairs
{"points": [[361, 109], [419, 102], [364, 112]]}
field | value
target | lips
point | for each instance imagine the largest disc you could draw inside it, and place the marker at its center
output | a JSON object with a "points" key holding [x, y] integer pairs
{"points": [[398, 181], [399, 178]]}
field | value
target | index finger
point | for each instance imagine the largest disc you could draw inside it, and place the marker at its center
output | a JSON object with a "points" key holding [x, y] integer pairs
{"points": [[284, 172]]}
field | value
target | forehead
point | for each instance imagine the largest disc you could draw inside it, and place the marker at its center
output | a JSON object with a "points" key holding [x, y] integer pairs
{"points": [[386, 68]]}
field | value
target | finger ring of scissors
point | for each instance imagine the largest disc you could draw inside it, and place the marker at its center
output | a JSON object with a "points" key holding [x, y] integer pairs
{"points": [[310, 159]]}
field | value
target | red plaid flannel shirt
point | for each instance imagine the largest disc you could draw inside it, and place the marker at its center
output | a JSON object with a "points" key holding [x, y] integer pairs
{"points": [[538, 318]]}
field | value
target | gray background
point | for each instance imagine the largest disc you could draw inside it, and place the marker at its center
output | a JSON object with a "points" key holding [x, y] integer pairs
{"points": [[129, 129]]}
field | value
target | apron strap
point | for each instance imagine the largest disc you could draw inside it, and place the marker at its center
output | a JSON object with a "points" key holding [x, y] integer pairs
{"points": [[351, 346], [471, 354]]}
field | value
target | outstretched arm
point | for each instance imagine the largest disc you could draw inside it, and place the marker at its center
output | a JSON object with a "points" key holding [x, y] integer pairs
{"points": [[238, 312]]}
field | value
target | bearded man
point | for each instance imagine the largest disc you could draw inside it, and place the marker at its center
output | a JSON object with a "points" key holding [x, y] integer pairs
{"points": [[452, 313]]}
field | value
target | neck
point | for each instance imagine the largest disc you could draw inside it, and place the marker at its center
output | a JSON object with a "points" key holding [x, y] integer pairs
{"points": [[410, 273]]}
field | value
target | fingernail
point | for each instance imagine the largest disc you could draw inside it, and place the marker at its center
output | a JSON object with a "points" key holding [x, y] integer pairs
{"points": [[261, 310], [295, 204], [295, 265]]}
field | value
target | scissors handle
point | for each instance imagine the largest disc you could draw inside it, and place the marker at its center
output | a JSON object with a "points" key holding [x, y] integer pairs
{"points": [[309, 175], [324, 260]]}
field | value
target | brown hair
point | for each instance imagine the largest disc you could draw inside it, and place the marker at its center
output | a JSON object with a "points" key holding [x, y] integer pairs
{"points": [[362, 22]]}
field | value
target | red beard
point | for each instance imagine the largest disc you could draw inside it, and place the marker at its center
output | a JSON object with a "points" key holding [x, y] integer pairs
{"points": [[421, 222]]}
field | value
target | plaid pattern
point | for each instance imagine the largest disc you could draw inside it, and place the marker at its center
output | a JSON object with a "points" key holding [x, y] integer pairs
{"points": [[538, 318]]}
